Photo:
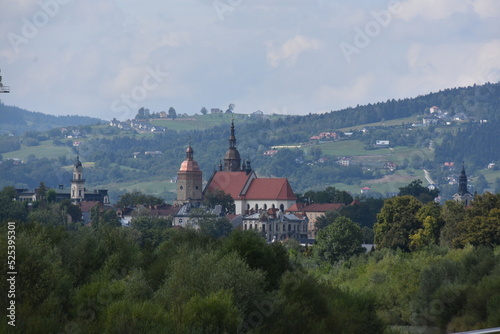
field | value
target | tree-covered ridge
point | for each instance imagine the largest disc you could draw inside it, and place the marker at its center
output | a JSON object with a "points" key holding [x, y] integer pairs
{"points": [[476, 144], [436, 267], [112, 150], [17, 121]]}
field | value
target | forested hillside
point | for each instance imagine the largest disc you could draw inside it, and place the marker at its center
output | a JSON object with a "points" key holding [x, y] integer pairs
{"points": [[15, 120], [111, 151]]}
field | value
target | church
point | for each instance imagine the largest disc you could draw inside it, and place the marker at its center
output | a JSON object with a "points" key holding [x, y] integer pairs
{"points": [[463, 195], [251, 194], [77, 193]]}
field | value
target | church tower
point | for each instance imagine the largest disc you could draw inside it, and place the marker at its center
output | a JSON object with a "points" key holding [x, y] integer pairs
{"points": [[78, 182], [189, 180], [463, 195], [232, 160]]}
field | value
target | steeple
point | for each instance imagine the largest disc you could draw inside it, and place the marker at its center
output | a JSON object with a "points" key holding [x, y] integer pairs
{"points": [[462, 182], [232, 138], [463, 195], [189, 180], [232, 160], [77, 183], [189, 152]]}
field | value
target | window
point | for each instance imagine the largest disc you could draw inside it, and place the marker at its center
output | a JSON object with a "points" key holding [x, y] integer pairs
{"points": [[181, 187], [263, 227], [265, 206], [180, 220], [196, 187], [256, 207], [250, 227], [245, 227]]}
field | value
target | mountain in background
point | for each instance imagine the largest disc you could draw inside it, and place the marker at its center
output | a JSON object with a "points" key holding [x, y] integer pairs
{"points": [[16, 121]]}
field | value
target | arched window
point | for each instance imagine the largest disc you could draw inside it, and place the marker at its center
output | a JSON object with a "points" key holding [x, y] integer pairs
{"points": [[265, 206], [250, 227], [256, 207], [248, 206], [273, 206], [282, 208]]}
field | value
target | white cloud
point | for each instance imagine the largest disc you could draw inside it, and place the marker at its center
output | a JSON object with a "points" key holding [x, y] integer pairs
{"points": [[290, 50], [91, 53], [431, 9], [486, 8]]}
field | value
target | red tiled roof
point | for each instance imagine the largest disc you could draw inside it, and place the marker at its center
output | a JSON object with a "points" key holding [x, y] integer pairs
{"points": [[296, 207], [316, 207], [277, 189], [86, 206], [230, 182]]}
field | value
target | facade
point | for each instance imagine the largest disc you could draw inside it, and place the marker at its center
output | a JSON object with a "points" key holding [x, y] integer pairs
{"points": [[463, 195], [275, 225]]}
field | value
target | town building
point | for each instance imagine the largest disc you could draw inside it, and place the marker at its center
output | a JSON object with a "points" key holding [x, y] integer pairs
{"points": [[275, 225], [77, 193], [313, 212]]}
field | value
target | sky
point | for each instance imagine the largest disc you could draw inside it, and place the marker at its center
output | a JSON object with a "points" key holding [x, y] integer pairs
{"points": [[109, 58]]}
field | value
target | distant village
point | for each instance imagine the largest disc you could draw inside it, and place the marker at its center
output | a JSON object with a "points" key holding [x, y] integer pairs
{"points": [[267, 205]]}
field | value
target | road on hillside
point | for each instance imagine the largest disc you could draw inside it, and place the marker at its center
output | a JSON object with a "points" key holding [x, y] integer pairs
{"points": [[428, 177]]}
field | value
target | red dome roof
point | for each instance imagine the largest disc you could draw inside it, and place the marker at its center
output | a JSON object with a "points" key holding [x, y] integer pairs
{"points": [[189, 166]]}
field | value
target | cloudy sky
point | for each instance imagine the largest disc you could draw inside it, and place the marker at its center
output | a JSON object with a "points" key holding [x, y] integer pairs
{"points": [[109, 58]]}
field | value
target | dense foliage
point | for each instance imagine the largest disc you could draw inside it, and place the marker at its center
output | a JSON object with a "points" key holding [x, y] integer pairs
{"points": [[150, 277]]}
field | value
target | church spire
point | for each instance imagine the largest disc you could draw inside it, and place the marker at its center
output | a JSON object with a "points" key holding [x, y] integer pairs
{"points": [[462, 182], [232, 160], [232, 138], [189, 152]]}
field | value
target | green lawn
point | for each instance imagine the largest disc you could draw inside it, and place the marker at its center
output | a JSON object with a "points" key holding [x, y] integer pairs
{"points": [[392, 122], [197, 122], [355, 148], [44, 150]]}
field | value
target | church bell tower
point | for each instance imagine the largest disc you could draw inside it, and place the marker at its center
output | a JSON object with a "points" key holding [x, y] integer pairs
{"points": [[189, 180], [232, 160], [78, 182]]}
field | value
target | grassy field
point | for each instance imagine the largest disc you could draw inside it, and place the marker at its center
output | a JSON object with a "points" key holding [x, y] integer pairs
{"points": [[392, 122], [491, 175], [44, 150], [387, 184], [160, 188], [198, 122], [355, 148]]}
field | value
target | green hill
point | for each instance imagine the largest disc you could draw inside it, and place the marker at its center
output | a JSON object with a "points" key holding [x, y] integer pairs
{"points": [[15, 120], [121, 163]]}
